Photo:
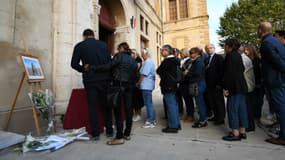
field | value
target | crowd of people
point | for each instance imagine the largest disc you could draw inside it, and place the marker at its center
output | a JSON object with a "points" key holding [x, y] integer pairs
{"points": [[215, 85]]}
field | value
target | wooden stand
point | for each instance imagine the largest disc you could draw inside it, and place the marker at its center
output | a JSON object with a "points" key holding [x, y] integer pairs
{"points": [[33, 86]]}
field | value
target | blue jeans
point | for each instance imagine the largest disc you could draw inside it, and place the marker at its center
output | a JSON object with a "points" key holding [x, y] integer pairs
{"points": [[278, 101], [237, 111], [147, 99], [200, 101], [172, 109]]}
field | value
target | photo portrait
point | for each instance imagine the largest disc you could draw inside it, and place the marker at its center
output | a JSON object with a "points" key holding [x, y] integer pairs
{"points": [[32, 67]]}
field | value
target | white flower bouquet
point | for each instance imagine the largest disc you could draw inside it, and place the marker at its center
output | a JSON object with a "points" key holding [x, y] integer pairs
{"points": [[44, 102]]}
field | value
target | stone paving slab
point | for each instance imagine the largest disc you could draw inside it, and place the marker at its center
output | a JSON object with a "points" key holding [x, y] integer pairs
{"points": [[152, 144], [8, 139]]}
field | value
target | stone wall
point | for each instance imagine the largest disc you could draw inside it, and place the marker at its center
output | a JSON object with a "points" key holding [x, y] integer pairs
{"points": [[33, 18], [188, 32], [52, 28]]}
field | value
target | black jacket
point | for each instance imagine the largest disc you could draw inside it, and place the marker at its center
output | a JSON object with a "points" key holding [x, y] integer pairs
{"points": [[234, 80], [214, 71], [257, 71], [123, 67], [166, 71], [197, 71], [93, 52], [273, 61]]}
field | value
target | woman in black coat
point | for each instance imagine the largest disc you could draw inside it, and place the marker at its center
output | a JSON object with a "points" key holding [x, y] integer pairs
{"points": [[235, 89]]}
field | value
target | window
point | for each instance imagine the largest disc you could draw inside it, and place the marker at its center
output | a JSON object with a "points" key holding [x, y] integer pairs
{"points": [[157, 55], [142, 23], [144, 43], [172, 10], [146, 27], [183, 8], [156, 37]]}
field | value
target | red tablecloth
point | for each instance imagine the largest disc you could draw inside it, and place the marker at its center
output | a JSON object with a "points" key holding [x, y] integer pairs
{"points": [[77, 114]]}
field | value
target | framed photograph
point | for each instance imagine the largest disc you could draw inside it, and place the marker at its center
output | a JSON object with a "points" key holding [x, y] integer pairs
{"points": [[32, 68]]}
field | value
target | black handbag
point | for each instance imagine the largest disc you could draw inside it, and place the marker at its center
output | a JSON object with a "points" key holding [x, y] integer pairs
{"points": [[193, 89], [114, 96], [114, 92]]}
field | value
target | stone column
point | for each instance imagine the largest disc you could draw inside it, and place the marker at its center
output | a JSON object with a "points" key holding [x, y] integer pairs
{"points": [[96, 14], [63, 21]]}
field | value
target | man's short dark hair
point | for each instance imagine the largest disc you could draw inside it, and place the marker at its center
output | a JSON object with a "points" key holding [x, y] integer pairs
{"points": [[168, 48], [280, 33], [234, 43], [88, 32]]}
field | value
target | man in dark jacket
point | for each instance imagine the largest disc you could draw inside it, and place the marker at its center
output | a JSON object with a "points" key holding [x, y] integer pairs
{"points": [[94, 52], [168, 86], [273, 71], [214, 92]]}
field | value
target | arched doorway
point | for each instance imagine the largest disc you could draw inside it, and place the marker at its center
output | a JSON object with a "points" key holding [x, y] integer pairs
{"points": [[106, 25], [112, 17]]}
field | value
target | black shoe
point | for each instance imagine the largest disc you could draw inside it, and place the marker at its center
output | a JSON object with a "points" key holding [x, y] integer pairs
{"points": [[219, 122], [231, 137], [170, 130], [212, 119], [127, 138], [95, 138], [179, 127], [199, 125], [109, 135], [250, 129], [242, 135]]}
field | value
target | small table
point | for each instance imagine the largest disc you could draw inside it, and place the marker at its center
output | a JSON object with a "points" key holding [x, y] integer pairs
{"points": [[77, 114]]}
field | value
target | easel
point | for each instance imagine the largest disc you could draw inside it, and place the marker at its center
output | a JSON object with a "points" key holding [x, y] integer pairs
{"points": [[33, 85]]}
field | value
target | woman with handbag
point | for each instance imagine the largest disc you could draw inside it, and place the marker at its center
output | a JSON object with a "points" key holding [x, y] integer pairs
{"points": [[197, 85], [124, 72]]}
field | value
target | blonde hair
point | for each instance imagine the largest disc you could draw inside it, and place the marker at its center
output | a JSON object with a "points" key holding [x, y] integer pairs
{"points": [[185, 51]]}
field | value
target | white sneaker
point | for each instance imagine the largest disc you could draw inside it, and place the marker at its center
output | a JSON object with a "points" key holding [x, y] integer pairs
{"points": [[137, 118], [148, 125]]}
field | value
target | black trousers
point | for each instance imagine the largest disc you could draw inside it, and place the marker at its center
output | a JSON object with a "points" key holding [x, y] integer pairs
{"points": [[179, 101], [96, 97], [126, 103], [189, 103], [250, 110], [258, 100], [215, 102]]}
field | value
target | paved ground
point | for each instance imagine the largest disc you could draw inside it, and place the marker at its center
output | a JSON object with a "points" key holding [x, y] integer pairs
{"points": [[152, 144]]}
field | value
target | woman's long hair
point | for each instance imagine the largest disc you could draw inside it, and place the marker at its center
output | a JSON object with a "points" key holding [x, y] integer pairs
{"points": [[252, 51], [126, 47]]}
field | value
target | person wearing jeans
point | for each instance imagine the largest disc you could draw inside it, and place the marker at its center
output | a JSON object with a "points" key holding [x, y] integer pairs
{"points": [[168, 85], [146, 83], [273, 71], [196, 74], [235, 89], [172, 110]]}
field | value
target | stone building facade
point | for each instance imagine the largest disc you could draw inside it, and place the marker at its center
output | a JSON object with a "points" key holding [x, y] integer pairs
{"points": [[186, 23], [53, 27]]}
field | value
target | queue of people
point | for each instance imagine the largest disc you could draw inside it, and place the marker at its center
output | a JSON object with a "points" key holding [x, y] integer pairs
{"points": [[214, 85]]}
